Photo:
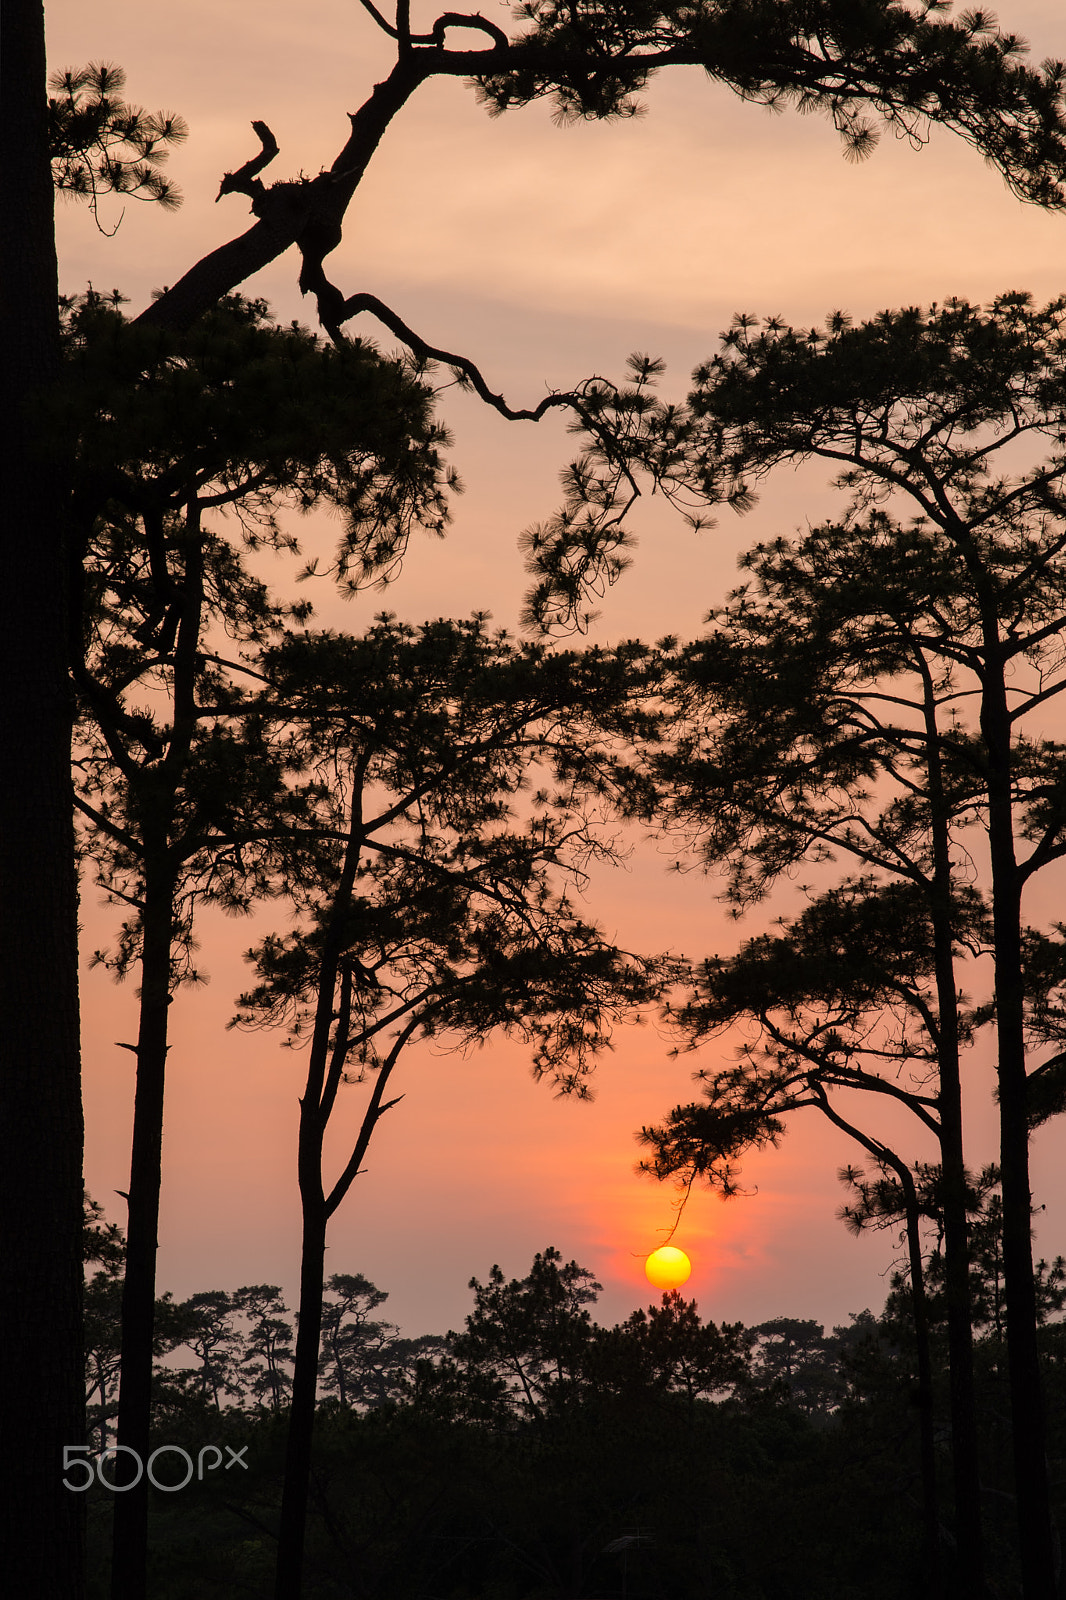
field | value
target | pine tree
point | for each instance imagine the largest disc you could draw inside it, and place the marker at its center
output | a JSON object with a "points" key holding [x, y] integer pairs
{"points": [[954, 417], [431, 903]]}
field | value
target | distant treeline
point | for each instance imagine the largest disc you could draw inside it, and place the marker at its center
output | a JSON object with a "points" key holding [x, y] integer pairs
{"points": [[539, 1456]]}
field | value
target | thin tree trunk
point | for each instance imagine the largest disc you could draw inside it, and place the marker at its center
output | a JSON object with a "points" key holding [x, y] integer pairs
{"points": [[324, 1072], [43, 1406], [969, 1573], [159, 786], [130, 1527], [329, 1052], [315, 1109], [1035, 1533], [927, 1435], [920, 1317], [923, 1353], [969, 1579], [305, 1371], [969, 1561]]}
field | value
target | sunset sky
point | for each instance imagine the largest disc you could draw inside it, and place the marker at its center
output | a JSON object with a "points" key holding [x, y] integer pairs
{"points": [[545, 254]]}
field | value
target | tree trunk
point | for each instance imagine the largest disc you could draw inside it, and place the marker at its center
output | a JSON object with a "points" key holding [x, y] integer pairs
{"points": [[40, 1100], [969, 1577], [969, 1563], [159, 786], [130, 1528], [969, 1574], [1035, 1535], [305, 1372], [927, 1436], [920, 1318], [324, 1071]]}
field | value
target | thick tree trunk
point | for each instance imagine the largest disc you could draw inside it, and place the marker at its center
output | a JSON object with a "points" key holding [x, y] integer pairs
{"points": [[40, 1101]]}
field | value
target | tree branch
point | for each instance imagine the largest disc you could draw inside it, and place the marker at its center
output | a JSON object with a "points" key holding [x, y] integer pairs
{"points": [[334, 310], [245, 180]]}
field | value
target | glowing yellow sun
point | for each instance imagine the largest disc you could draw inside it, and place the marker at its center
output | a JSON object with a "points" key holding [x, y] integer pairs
{"points": [[668, 1267]]}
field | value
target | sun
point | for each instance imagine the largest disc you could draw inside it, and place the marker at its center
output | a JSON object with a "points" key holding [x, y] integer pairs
{"points": [[668, 1267]]}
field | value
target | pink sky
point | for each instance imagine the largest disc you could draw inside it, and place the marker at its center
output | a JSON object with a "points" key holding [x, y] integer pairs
{"points": [[544, 254]]}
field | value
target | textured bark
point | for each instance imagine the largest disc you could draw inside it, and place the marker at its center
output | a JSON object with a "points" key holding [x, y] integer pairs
{"points": [[40, 1103]]}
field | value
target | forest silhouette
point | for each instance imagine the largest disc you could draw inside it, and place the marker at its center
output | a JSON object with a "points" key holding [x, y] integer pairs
{"points": [[424, 806], [537, 1453]]}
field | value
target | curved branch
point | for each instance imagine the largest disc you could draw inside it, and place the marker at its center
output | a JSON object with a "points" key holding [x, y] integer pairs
{"points": [[335, 310], [401, 32], [386, 27], [246, 180], [456, 19]]}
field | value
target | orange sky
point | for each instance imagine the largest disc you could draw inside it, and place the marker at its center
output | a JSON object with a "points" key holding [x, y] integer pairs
{"points": [[544, 254]]}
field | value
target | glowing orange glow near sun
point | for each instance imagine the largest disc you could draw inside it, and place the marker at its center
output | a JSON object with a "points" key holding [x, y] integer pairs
{"points": [[668, 1267]]}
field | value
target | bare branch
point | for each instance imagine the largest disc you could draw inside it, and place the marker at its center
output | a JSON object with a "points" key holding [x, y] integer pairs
{"points": [[246, 179], [334, 310]]}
